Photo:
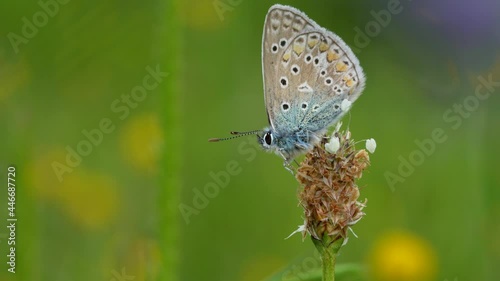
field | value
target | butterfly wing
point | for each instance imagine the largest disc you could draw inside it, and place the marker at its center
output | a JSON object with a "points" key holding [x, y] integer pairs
{"points": [[329, 74], [307, 79], [283, 23]]}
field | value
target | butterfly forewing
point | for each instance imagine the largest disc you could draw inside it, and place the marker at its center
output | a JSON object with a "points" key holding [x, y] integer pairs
{"points": [[282, 24]]}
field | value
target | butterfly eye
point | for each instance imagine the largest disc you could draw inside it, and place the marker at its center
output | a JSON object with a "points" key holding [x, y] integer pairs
{"points": [[268, 138]]}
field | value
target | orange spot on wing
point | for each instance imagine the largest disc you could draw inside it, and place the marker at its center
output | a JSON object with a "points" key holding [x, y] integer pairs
{"points": [[323, 47], [298, 49], [341, 66], [311, 43], [331, 56], [286, 56]]}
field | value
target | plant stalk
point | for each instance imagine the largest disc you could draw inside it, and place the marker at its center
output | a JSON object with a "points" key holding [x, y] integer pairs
{"points": [[328, 258], [328, 251]]}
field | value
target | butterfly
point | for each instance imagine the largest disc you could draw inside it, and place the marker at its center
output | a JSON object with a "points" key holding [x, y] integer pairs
{"points": [[311, 78]]}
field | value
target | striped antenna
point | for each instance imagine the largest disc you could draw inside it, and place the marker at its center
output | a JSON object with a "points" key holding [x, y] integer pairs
{"points": [[236, 135]]}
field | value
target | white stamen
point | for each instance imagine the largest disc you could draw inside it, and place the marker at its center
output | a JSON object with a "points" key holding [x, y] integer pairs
{"points": [[301, 229]]}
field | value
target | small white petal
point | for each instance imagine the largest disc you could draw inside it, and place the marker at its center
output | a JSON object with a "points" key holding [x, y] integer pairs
{"points": [[301, 229], [354, 222], [353, 232], [333, 145], [345, 105], [345, 241], [371, 145]]}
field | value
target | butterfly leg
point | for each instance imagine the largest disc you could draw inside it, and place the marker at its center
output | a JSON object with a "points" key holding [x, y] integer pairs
{"points": [[289, 167], [286, 163]]}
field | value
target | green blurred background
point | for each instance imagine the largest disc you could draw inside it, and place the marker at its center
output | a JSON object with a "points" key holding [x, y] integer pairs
{"points": [[126, 211]]}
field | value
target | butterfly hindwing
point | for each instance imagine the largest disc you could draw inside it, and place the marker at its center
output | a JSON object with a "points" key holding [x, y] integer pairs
{"points": [[328, 74], [308, 72]]}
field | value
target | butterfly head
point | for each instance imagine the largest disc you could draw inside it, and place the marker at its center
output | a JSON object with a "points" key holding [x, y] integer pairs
{"points": [[287, 146], [267, 139]]}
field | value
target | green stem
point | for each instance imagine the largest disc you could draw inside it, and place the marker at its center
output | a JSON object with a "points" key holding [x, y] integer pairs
{"points": [[328, 258], [328, 249], [167, 55]]}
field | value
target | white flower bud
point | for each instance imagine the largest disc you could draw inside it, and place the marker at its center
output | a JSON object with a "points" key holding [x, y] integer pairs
{"points": [[371, 145], [333, 145], [345, 105]]}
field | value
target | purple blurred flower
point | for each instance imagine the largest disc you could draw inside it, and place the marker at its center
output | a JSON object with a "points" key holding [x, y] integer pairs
{"points": [[466, 22]]}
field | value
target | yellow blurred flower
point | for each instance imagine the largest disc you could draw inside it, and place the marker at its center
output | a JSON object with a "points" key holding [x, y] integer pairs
{"points": [[260, 267], [139, 258], [402, 256], [204, 14], [144, 259], [142, 141], [89, 198]]}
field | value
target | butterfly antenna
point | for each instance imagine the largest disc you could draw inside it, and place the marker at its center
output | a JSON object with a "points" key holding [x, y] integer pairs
{"points": [[237, 135], [245, 133]]}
